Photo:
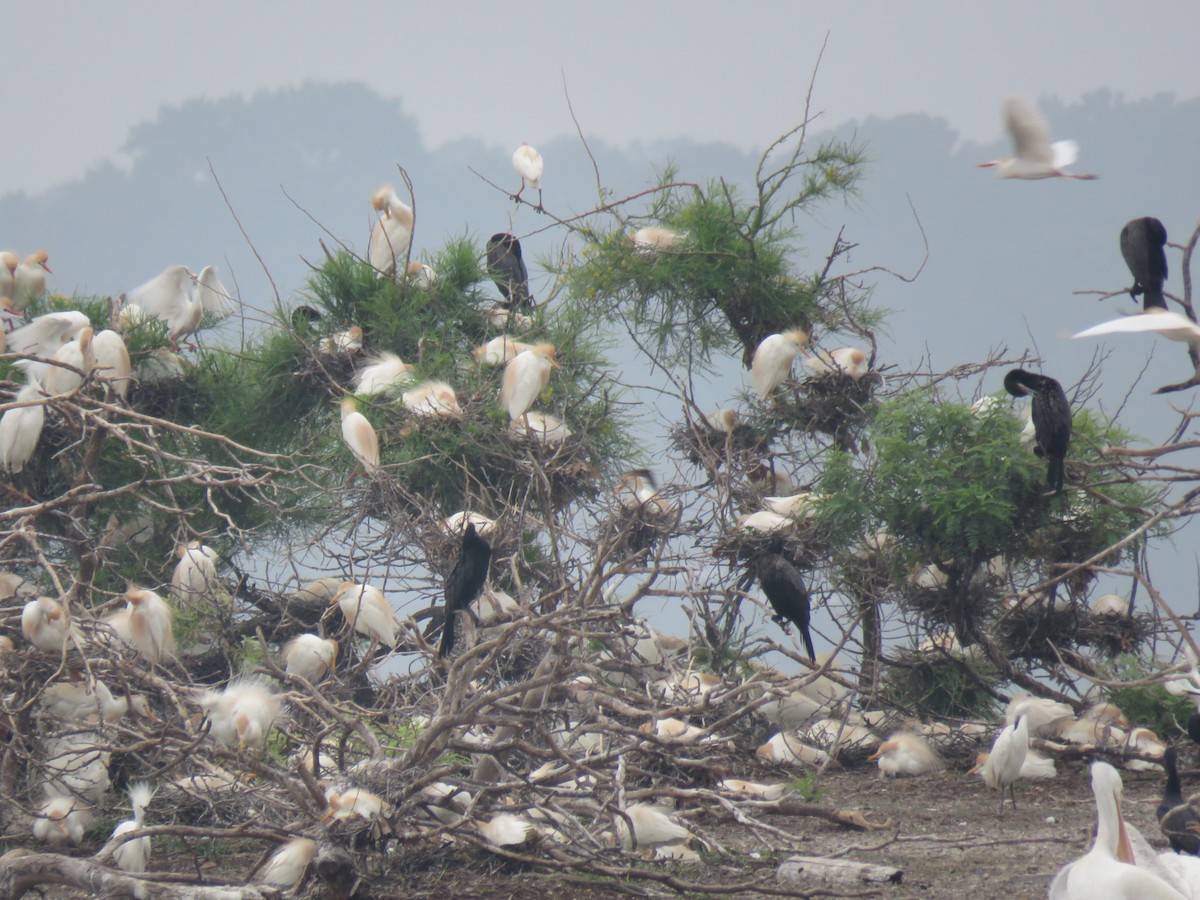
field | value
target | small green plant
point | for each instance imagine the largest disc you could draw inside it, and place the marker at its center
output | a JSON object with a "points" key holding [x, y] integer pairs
{"points": [[806, 786]]}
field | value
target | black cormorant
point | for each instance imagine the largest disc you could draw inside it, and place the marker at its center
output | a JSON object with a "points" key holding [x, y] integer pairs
{"points": [[1178, 818], [784, 586], [1051, 419], [1143, 243], [464, 582], [507, 269]]}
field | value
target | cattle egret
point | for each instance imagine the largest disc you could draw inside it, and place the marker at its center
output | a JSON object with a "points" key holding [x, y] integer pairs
{"points": [[788, 595], [499, 350], [797, 506], [381, 374], [1108, 870], [1003, 766], [46, 624], [1051, 420], [772, 362], [502, 317], [133, 855], [354, 801], [651, 827], [287, 864], [526, 376], [905, 754], [638, 491], [850, 361], [656, 238], [112, 361], [508, 830], [159, 365], [1101, 723], [360, 436], [167, 296], [1035, 767], [432, 399], [8, 273], [195, 574], [1044, 715], [211, 294], [506, 266], [765, 520], [724, 420], [30, 278], [528, 163], [83, 704], [150, 624], [309, 656], [346, 342], [788, 748], [465, 581], [391, 235], [366, 610], [77, 354], [1171, 325], [1143, 243], [673, 730], [1110, 605], [44, 336], [21, 428], [243, 714], [543, 428], [456, 523], [61, 821], [1035, 156], [421, 276]]}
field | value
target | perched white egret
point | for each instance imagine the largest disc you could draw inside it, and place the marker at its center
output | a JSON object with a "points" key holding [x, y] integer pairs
{"points": [[724, 420], [529, 165], [1035, 157], [499, 350], [526, 376], [638, 490], [78, 355], [796, 506], [1145, 742], [287, 864], [195, 574], [367, 611], [382, 374], [46, 624], [1035, 767], [651, 827], [61, 821], [353, 801], [674, 731], [456, 523], [905, 753], [1003, 766], [243, 714], [8, 272], [421, 276], [211, 294], [1044, 715], [112, 361], [310, 656], [772, 362], [1101, 723], [76, 768], [360, 436], [30, 279], [133, 855], [1110, 605], [541, 427], [1171, 325], [765, 520], [753, 789], [21, 428], [168, 296], [788, 748], [391, 235], [432, 399], [850, 361], [346, 342], [503, 317], [85, 703], [44, 335], [656, 238], [150, 624], [1108, 870]]}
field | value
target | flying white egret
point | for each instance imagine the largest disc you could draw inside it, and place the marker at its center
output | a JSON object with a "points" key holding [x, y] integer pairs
{"points": [[773, 358], [392, 233], [30, 278], [1171, 325], [21, 428], [133, 855], [526, 376], [1035, 157], [360, 436], [529, 165]]}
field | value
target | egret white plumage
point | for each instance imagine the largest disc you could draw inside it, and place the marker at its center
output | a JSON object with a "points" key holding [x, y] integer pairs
{"points": [[30, 279], [391, 235], [796, 506], [724, 420], [168, 296], [788, 748], [639, 491], [367, 611], [242, 715], [1110, 605], [77, 354], [133, 855], [508, 830], [1034, 767], [195, 574], [150, 624], [432, 399], [656, 238], [849, 361], [382, 374], [651, 827], [526, 376], [1035, 157], [1166, 323], [353, 802], [112, 361], [21, 428], [905, 753], [456, 524], [287, 864], [346, 342], [8, 271], [61, 821], [310, 656], [765, 520], [1003, 766], [87, 703], [773, 358], [421, 276], [359, 435], [46, 624], [1044, 715], [529, 165], [44, 335], [499, 350], [211, 294], [543, 428]]}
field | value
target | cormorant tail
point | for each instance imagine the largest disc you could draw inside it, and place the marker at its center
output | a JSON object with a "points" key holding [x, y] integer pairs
{"points": [[1056, 473], [1152, 298], [808, 645], [447, 643]]}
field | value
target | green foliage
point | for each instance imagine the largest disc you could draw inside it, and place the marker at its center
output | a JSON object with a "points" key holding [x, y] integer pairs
{"points": [[1148, 705], [807, 786], [931, 684]]}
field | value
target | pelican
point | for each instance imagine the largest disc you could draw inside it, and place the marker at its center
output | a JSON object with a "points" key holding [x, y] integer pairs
{"points": [[785, 589], [133, 855], [905, 753], [21, 428], [506, 266], [167, 296], [465, 581], [772, 362], [382, 374], [366, 610], [391, 236], [499, 350], [1003, 766], [849, 361], [287, 864], [432, 399], [1108, 870], [526, 376], [1035, 156], [360, 436], [543, 428], [112, 361], [30, 280], [310, 656], [1051, 420], [1142, 245], [528, 163], [150, 624]]}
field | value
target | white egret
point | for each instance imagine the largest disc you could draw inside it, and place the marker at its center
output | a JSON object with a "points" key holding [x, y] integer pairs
{"points": [[381, 374], [508, 830], [150, 624], [499, 350], [456, 523], [195, 574], [112, 361], [526, 376], [346, 342], [765, 520], [287, 864], [44, 335], [211, 294], [367, 611], [61, 821], [168, 296], [1110, 605], [21, 428], [1003, 766], [30, 279], [78, 355], [1044, 715], [905, 753], [352, 802], [421, 276], [529, 165], [243, 714], [1035, 767], [46, 624], [543, 428], [772, 362], [310, 656], [392, 233], [724, 420], [656, 238], [432, 399], [360, 436], [850, 361], [638, 490], [133, 855], [8, 272], [1171, 325], [1035, 157]]}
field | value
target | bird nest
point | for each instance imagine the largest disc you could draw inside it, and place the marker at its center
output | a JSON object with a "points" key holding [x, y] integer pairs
{"points": [[1034, 632], [961, 609], [805, 546], [833, 404], [709, 448], [1114, 635], [937, 684]]}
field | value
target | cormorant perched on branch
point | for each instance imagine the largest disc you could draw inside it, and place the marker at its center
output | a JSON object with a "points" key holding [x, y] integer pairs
{"points": [[1051, 419], [1143, 243], [784, 586], [464, 582], [507, 269]]}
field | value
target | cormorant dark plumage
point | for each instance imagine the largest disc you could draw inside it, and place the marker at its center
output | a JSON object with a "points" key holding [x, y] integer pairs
{"points": [[784, 586], [507, 269], [1051, 419], [1178, 819], [1143, 243], [464, 582], [1193, 727]]}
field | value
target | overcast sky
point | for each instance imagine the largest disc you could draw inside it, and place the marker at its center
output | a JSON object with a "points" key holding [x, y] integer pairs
{"points": [[80, 73]]}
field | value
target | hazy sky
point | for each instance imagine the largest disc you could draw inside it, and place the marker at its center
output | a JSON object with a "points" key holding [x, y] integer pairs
{"points": [[80, 73]]}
